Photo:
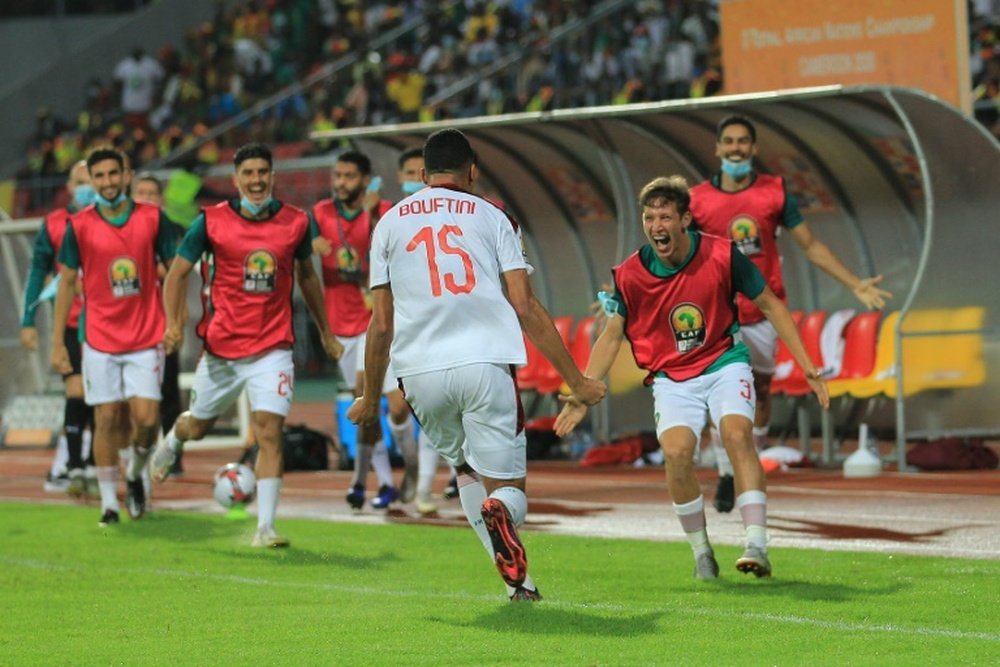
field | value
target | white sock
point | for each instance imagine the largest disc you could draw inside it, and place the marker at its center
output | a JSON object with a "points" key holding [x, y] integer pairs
{"points": [[722, 461], [515, 501], [61, 458], [107, 482], [402, 435], [173, 442], [752, 505], [692, 518], [137, 462], [428, 463], [380, 462], [760, 435], [268, 491], [472, 494]]}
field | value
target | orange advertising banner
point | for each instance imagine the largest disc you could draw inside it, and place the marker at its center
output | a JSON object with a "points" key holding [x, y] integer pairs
{"points": [[776, 44]]}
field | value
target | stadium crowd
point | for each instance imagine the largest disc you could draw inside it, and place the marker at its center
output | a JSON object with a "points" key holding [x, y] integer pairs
{"points": [[450, 65], [252, 50]]}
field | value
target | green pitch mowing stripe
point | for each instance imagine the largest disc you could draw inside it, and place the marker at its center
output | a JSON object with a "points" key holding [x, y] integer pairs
{"points": [[178, 588]]}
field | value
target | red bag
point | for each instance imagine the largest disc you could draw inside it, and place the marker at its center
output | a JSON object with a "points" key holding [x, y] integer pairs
{"points": [[952, 454]]}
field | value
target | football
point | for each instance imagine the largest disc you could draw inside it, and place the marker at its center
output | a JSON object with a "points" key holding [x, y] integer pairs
{"points": [[235, 484]]}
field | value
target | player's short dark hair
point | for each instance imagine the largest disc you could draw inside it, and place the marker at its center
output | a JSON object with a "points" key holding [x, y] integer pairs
{"points": [[448, 151], [409, 154], [666, 189], [148, 176], [102, 154], [736, 119], [251, 151], [358, 159]]}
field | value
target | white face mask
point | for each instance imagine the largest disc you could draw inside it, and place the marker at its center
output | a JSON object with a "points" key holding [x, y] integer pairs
{"points": [[254, 209]]}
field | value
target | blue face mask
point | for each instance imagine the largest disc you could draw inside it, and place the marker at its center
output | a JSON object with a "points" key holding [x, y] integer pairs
{"points": [[109, 203], [254, 209], [737, 169], [409, 187], [84, 195]]}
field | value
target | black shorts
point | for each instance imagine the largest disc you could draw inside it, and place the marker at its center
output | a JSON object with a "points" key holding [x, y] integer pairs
{"points": [[72, 340]]}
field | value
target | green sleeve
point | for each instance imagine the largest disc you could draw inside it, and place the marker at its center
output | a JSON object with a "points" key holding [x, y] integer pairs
{"points": [[304, 249], [791, 216], [69, 251], [43, 262], [747, 278], [313, 226], [195, 242], [166, 239]]}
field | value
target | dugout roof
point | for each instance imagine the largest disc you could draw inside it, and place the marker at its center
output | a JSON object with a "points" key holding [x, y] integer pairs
{"points": [[893, 180]]}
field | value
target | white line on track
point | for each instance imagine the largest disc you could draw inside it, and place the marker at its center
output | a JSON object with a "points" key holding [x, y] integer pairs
{"points": [[840, 626]]}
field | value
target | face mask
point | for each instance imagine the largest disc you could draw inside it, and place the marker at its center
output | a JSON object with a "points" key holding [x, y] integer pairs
{"points": [[409, 187], [109, 203], [84, 195], [254, 209], [737, 169]]}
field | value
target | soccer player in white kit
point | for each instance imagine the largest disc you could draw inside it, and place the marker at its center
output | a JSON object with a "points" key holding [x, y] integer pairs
{"points": [[451, 294]]}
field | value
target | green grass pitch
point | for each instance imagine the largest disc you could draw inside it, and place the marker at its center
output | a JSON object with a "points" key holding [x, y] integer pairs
{"points": [[185, 589]]}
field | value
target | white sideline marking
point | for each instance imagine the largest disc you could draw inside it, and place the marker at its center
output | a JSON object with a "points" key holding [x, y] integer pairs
{"points": [[840, 626]]}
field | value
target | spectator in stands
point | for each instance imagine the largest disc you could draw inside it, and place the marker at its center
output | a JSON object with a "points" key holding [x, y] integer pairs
{"points": [[138, 78], [697, 364], [750, 208]]}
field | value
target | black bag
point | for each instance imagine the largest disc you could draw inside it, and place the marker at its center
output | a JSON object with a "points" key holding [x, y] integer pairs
{"points": [[305, 449]]}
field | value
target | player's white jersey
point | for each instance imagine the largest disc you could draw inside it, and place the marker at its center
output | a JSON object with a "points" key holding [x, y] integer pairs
{"points": [[442, 250]]}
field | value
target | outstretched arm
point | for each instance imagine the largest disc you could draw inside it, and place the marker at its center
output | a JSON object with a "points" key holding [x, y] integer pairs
{"points": [[866, 290], [602, 356], [537, 323], [777, 313]]}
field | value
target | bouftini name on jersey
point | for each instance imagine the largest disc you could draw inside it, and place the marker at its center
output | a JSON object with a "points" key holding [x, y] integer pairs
{"points": [[436, 204], [259, 271], [124, 276]]}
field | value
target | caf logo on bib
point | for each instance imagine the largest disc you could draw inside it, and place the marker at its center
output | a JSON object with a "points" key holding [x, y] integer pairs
{"points": [[124, 276], [745, 233], [688, 324], [258, 272], [349, 265]]}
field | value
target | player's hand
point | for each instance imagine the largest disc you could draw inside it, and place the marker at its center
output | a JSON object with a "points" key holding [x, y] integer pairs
{"points": [[870, 294], [322, 246], [371, 200], [588, 391], [60, 358], [333, 347], [818, 385], [570, 416], [363, 412], [29, 338], [172, 338]]}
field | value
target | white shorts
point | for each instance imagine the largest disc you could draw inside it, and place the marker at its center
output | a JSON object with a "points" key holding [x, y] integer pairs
{"points": [[762, 340], [269, 379], [472, 414], [109, 378], [728, 391], [352, 362]]}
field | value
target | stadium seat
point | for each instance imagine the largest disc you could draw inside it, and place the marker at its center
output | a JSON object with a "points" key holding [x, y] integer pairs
{"points": [[810, 329], [860, 343], [944, 350], [583, 341], [538, 374], [783, 362]]}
